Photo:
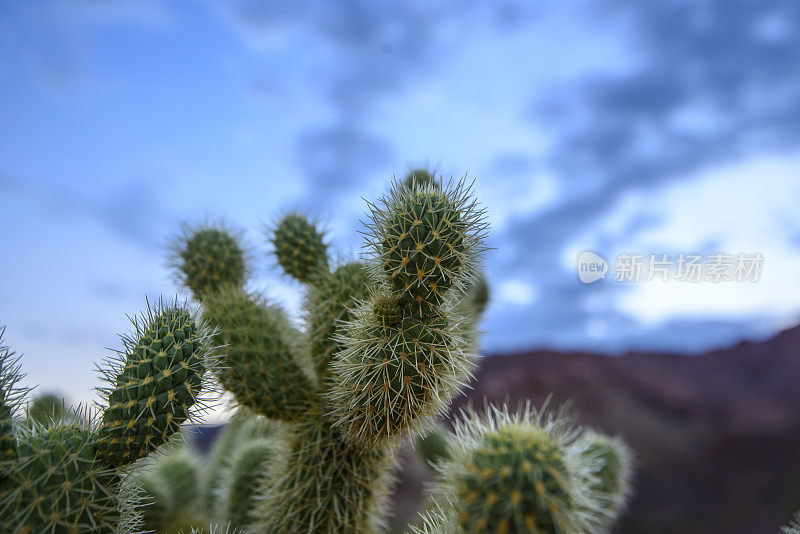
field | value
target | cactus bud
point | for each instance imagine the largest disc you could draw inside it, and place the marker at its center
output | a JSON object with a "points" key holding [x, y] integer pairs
{"points": [[386, 309]]}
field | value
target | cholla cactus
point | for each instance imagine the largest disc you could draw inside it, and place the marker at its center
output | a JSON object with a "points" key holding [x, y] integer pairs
{"points": [[385, 348], [69, 475], [184, 489], [242, 429]]}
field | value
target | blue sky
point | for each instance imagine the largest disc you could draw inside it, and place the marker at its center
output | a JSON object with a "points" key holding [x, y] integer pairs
{"points": [[607, 125]]}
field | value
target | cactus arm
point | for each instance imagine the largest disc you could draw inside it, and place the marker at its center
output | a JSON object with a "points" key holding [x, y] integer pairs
{"points": [[330, 301], [299, 247], [155, 383], [407, 350], [260, 363], [206, 258], [613, 478]]}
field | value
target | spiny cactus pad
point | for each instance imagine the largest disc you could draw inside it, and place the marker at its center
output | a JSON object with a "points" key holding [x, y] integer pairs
{"points": [[259, 365], [516, 473], [426, 239], [59, 486], [299, 247], [393, 377], [329, 303], [208, 258], [155, 382]]}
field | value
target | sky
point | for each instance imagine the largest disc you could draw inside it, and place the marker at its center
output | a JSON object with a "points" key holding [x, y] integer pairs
{"points": [[617, 127]]}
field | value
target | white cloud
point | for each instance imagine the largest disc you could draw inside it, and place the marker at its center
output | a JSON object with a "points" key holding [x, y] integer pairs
{"points": [[516, 292]]}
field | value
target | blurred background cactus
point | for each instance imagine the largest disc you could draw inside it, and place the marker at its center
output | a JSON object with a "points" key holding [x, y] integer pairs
{"points": [[45, 408], [70, 473], [185, 489], [433, 445]]}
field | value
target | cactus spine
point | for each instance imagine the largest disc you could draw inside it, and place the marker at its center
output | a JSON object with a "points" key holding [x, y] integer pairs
{"points": [[69, 475], [384, 350]]}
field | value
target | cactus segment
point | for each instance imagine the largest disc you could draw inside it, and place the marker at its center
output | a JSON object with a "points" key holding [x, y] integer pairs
{"points": [[208, 258], [60, 486], [330, 301], [155, 382], [433, 445], [249, 464], [393, 378], [515, 473], [259, 365], [425, 241], [299, 247], [613, 482]]}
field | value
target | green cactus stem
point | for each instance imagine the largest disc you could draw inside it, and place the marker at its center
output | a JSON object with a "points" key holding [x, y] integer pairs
{"points": [[299, 247]]}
